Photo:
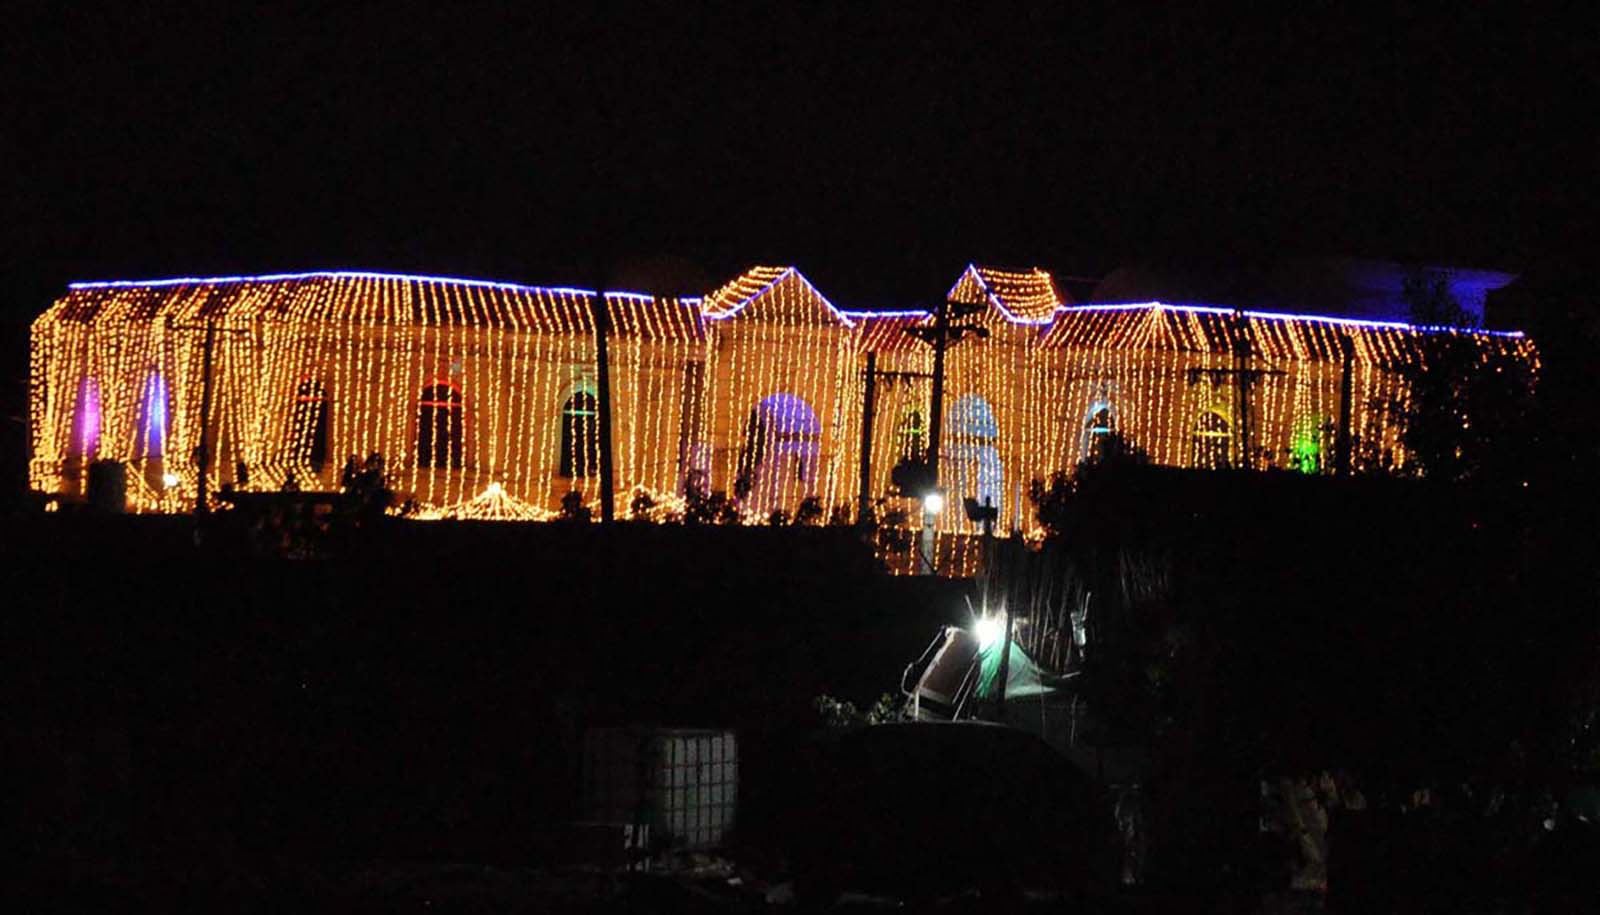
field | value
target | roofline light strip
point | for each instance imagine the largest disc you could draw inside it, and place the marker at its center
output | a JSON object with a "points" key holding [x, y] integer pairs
{"points": [[849, 317], [1291, 316], [867, 315], [361, 274]]}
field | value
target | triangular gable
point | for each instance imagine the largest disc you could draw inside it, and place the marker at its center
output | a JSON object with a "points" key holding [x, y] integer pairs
{"points": [[1019, 296], [773, 292]]}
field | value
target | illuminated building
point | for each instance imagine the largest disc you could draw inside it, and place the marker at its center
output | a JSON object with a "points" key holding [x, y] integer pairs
{"points": [[482, 399]]}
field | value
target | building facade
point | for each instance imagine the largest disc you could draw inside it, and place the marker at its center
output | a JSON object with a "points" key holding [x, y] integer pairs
{"points": [[483, 400]]}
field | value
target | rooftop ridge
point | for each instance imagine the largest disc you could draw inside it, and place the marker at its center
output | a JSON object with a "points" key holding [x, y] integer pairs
{"points": [[1202, 308]]}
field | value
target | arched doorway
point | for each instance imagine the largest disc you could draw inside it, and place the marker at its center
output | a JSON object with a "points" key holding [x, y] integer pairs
{"points": [[778, 464], [580, 435], [970, 464], [150, 430], [1213, 436], [85, 439], [308, 432], [439, 426], [911, 445]]}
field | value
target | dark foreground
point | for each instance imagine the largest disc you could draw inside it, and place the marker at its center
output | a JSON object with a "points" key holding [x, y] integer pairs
{"points": [[190, 721], [399, 731]]}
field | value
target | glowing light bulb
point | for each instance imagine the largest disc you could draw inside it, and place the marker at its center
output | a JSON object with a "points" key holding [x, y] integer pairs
{"points": [[933, 503], [988, 629], [169, 479]]}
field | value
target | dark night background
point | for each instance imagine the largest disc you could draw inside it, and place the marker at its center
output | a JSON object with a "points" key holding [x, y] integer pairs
{"points": [[878, 150]]}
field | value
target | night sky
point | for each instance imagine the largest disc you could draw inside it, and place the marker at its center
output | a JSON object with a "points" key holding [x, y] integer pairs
{"points": [[879, 152]]}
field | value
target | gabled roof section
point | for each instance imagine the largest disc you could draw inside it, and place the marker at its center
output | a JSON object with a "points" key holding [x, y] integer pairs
{"points": [[655, 318], [885, 331], [1020, 296], [1273, 335], [783, 289], [345, 296]]}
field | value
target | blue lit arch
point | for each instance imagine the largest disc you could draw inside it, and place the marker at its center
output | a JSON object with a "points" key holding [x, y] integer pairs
{"points": [[154, 416], [970, 463], [783, 439]]}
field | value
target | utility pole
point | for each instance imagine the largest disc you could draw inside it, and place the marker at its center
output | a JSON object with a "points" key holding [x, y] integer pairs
{"points": [[203, 452], [602, 357], [1013, 568], [1241, 384], [868, 408], [940, 334], [1341, 447], [864, 491], [1004, 673]]}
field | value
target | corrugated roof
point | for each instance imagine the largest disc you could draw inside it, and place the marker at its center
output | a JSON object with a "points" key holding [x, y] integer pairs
{"points": [[1211, 329], [348, 296]]}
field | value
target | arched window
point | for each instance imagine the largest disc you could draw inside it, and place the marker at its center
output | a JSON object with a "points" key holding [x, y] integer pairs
{"points": [[85, 439], [580, 436], [1212, 436], [1305, 447], [150, 433], [777, 465], [970, 462], [439, 426], [909, 435], [308, 433]]}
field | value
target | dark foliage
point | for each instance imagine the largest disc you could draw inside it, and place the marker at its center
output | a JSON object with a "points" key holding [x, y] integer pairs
{"points": [[1469, 412], [701, 507], [365, 490], [810, 511], [839, 516], [912, 476], [641, 505]]}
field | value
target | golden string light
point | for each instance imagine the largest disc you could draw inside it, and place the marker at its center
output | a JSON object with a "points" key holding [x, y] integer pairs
{"points": [[493, 504], [755, 390]]}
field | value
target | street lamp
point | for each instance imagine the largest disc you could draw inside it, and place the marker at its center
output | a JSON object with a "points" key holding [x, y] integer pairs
{"points": [[933, 502], [988, 630]]}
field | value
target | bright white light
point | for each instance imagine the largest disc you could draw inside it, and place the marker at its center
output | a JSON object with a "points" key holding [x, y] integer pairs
{"points": [[169, 479], [933, 503], [494, 489], [988, 629]]}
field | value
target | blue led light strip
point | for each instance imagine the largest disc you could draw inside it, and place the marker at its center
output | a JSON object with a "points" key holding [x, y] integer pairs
{"points": [[867, 315], [848, 317], [1289, 316], [362, 275]]}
